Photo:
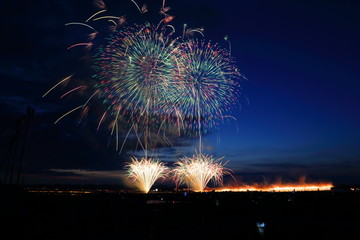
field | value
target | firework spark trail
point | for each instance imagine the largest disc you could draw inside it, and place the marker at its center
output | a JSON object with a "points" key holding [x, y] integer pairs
{"points": [[52, 88], [86, 44], [226, 38], [73, 110], [137, 6], [197, 171], [184, 27], [191, 31], [87, 101], [101, 119], [106, 17], [145, 172], [72, 90], [97, 13], [82, 24]]}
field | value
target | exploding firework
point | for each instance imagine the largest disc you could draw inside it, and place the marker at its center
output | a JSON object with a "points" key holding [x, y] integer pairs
{"points": [[210, 79], [196, 172], [148, 77], [150, 82], [135, 72], [135, 75], [145, 172]]}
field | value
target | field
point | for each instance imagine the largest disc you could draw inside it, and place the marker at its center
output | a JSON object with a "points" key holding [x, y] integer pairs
{"points": [[180, 215]]}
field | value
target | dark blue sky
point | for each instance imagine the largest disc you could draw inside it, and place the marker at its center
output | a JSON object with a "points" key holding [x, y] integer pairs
{"points": [[298, 114]]}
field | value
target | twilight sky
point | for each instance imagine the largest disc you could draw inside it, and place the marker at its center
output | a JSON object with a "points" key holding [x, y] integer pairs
{"points": [[298, 114]]}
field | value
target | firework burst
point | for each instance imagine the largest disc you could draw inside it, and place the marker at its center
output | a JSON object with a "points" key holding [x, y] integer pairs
{"points": [[135, 76], [210, 79], [145, 172], [150, 82], [196, 172], [149, 77]]}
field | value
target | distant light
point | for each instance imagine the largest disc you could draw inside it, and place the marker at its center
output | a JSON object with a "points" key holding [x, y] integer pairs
{"points": [[261, 227], [260, 224]]}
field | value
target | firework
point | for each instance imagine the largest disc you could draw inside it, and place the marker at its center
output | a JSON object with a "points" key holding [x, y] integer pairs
{"points": [[135, 73], [145, 172], [145, 73], [196, 172], [210, 78], [152, 82]]}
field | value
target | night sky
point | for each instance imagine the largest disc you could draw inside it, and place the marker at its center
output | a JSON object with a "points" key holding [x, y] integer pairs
{"points": [[297, 115]]}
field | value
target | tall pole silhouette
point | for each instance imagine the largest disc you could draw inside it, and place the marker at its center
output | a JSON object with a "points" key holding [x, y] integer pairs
{"points": [[29, 114]]}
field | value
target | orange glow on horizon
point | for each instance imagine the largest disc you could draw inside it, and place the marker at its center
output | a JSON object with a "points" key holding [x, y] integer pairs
{"points": [[280, 188]]}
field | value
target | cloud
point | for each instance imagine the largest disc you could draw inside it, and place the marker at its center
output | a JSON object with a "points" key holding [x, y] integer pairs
{"points": [[282, 165], [111, 174], [118, 177], [18, 104], [18, 72], [93, 173]]}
